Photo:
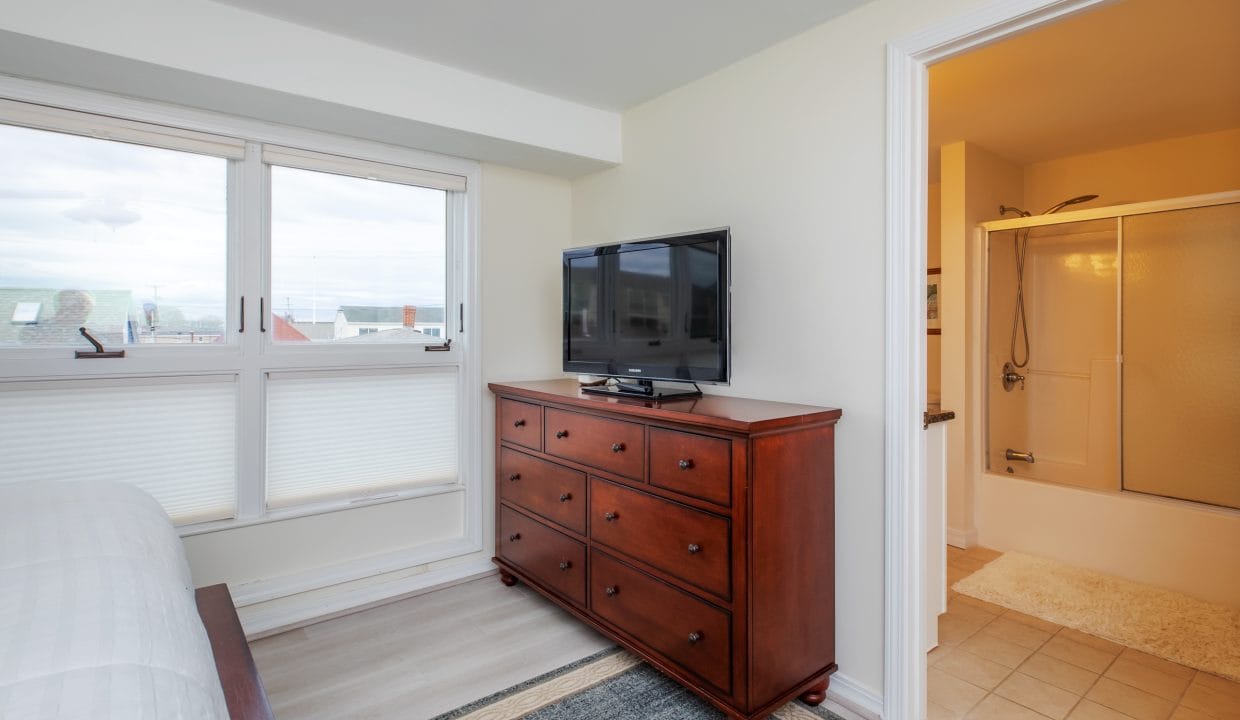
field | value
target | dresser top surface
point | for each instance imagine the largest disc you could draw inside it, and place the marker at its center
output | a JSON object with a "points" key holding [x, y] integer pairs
{"points": [[715, 411]]}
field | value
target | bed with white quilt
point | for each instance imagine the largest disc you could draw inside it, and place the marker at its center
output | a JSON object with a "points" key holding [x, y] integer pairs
{"points": [[99, 617]]}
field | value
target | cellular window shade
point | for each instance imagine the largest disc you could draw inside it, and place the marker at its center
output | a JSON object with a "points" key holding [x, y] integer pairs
{"points": [[173, 437], [359, 434], [43, 117], [306, 160]]}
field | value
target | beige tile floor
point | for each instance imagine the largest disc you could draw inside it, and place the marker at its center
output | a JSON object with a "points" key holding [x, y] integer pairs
{"points": [[998, 664]]}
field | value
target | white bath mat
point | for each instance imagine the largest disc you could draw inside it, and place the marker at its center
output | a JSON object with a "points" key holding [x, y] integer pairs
{"points": [[1160, 622]]}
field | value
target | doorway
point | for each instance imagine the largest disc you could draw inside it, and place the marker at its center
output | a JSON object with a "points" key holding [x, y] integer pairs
{"points": [[904, 686], [908, 497]]}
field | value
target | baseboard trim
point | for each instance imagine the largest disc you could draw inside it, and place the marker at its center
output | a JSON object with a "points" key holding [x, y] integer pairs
{"points": [[963, 539], [855, 697], [260, 591], [294, 611]]}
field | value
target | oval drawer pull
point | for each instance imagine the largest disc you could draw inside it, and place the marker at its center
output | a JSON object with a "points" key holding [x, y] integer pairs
{"points": [[610, 516], [514, 477], [617, 447], [565, 565], [611, 590], [685, 464], [565, 497], [560, 434], [694, 548], [695, 638], [514, 537]]}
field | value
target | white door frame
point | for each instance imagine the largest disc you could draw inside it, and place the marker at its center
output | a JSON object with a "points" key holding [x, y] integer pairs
{"points": [[904, 656]]}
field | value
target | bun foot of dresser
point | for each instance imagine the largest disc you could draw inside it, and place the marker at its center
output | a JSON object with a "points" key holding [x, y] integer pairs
{"points": [[507, 578], [815, 695]]}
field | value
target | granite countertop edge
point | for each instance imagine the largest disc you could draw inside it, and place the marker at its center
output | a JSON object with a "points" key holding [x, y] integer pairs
{"points": [[936, 414]]}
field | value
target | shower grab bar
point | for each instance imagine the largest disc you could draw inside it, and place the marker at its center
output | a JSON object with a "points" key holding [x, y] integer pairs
{"points": [[1017, 455]]}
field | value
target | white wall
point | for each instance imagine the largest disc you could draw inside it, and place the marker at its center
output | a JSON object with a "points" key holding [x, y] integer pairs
{"points": [[525, 226], [787, 148]]}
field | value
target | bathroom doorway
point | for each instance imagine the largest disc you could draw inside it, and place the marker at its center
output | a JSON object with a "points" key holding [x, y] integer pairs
{"points": [[1094, 104]]}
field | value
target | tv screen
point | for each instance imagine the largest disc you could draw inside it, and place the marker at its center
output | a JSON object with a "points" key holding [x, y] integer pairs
{"points": [[654, 309]]}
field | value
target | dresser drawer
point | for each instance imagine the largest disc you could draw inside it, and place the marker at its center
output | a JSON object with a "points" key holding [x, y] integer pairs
{"points": [[520, 423], [689, 544], [686, 630], [610, 445], [544, 488], [695, 465], [554, 559]]}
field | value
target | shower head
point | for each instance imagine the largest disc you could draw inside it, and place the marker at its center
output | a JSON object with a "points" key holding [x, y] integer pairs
{"points": [[1005, 209], [1070, 201]]}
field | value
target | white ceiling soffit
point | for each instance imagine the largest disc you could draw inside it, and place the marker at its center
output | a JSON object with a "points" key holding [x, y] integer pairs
{"points": [[189, 43], [604, 53], [25, 56], [1127, 73]]}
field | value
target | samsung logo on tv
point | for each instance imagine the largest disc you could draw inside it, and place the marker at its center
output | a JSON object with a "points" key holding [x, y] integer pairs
{"points": [[636, 370]]}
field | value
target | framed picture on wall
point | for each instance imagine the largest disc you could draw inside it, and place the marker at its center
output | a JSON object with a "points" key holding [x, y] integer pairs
{"points": [[933, 324]]}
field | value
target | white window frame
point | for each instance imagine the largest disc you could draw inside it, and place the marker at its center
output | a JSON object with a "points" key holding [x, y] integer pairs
{"points": [[251, 354]]}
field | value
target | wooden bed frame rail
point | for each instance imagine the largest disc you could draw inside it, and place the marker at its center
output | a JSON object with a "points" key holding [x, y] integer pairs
{"points": [[243, 689]]}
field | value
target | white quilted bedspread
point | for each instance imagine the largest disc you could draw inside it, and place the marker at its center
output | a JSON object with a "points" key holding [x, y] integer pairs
{"points": [[97, 611]]}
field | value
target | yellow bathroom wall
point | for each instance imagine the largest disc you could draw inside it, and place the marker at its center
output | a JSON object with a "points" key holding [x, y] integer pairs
{"points": [[974, 183], [934, 345], [1178, 167]]}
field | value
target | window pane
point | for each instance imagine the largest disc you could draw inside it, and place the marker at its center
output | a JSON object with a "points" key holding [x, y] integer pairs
{"points": [[175, 439], [356, 260], [357, 435], [126, 240]]}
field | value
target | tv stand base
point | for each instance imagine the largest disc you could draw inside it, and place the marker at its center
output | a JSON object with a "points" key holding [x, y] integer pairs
{"points": [[643, 389]]}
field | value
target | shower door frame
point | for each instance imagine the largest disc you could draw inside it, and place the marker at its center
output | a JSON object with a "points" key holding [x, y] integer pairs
{"points": [[1118, 212]]}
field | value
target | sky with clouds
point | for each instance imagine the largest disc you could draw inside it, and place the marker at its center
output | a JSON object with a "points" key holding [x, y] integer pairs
{"points": [[79, 212]]}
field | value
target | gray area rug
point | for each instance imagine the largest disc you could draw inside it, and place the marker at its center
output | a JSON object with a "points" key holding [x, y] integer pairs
{"points": [[610, 685]]}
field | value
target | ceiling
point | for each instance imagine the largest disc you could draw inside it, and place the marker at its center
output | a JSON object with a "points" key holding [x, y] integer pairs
{"points": [[1127, 73], [605, 53]]}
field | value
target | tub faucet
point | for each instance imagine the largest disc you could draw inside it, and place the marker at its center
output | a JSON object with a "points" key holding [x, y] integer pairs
{"points": [[1017, 455]]}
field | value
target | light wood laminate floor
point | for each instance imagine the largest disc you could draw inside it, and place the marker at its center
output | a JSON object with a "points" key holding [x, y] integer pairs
{"points": [[420, 657]]}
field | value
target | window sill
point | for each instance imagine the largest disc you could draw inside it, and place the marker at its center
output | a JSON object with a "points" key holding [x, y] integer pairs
{"points": [[320, 508]]}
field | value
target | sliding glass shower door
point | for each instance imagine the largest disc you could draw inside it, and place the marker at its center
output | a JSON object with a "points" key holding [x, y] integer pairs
{"points": [[1055, 416], [1130, 377], [1181, 354]]}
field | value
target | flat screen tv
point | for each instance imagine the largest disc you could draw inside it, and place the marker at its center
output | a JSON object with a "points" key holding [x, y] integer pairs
{"points": [[652, 309]]}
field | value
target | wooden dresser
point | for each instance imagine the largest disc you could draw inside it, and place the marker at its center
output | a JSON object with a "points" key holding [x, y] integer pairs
{"points": [[698, 533]]}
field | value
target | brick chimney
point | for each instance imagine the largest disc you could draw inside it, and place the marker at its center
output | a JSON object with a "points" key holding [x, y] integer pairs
{"points": [[410, 313]]}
